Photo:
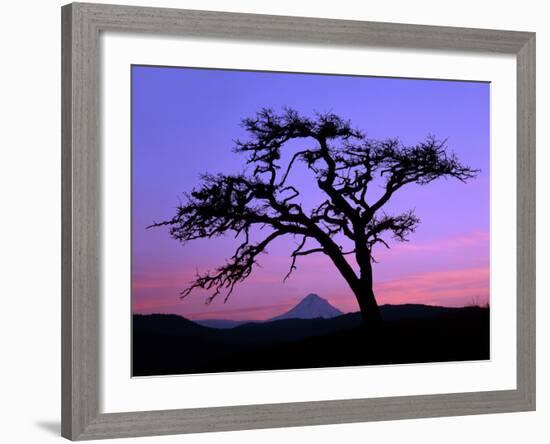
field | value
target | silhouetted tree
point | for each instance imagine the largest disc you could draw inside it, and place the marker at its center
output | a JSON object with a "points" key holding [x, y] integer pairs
{"points": [[344, 163]]}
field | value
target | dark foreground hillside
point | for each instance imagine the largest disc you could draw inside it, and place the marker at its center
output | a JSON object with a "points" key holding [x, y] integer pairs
{"points": [[170, 344]]}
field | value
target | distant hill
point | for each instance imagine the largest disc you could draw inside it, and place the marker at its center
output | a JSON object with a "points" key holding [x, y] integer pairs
{"points": [[413, 311], [220, 323], [167, 324], [171, 344], [311, 307]]}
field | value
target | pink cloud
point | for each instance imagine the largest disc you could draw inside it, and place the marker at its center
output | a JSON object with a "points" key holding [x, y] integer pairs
{"points": [[451, 243], [449, 288]]}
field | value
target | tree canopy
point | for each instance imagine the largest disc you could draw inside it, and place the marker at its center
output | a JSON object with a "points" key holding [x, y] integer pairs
{"points": [[344, 164]]}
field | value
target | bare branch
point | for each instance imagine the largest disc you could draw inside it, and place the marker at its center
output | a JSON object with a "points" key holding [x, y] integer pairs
{"points": [[399, 226], [293, 256], [236, 270]]}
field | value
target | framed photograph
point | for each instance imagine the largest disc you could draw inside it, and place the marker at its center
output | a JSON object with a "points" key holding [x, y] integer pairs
{"points": [[278, 221]]}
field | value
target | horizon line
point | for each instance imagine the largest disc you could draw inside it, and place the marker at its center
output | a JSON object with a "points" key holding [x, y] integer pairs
{"points": [[485, 305]]}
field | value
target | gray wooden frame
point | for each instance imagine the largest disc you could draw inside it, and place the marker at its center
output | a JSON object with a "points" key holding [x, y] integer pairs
{"points": [[81, 166]]}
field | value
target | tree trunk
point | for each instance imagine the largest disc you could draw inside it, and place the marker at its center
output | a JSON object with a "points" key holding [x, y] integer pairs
{"points": [[362, 285], [370, 312]]}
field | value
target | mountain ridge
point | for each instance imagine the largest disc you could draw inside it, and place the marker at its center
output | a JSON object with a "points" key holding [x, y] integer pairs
{"points": [[311, 307], [389, 312]]}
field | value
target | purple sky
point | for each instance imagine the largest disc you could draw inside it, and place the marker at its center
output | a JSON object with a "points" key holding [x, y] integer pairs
{"points": [[184, 122]]}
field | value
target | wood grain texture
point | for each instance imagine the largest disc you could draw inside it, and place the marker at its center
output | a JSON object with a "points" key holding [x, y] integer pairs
{"points": [[119, 425], [300, 29], [81, 222], [66, 224], [526, 220], [81, 234]]}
